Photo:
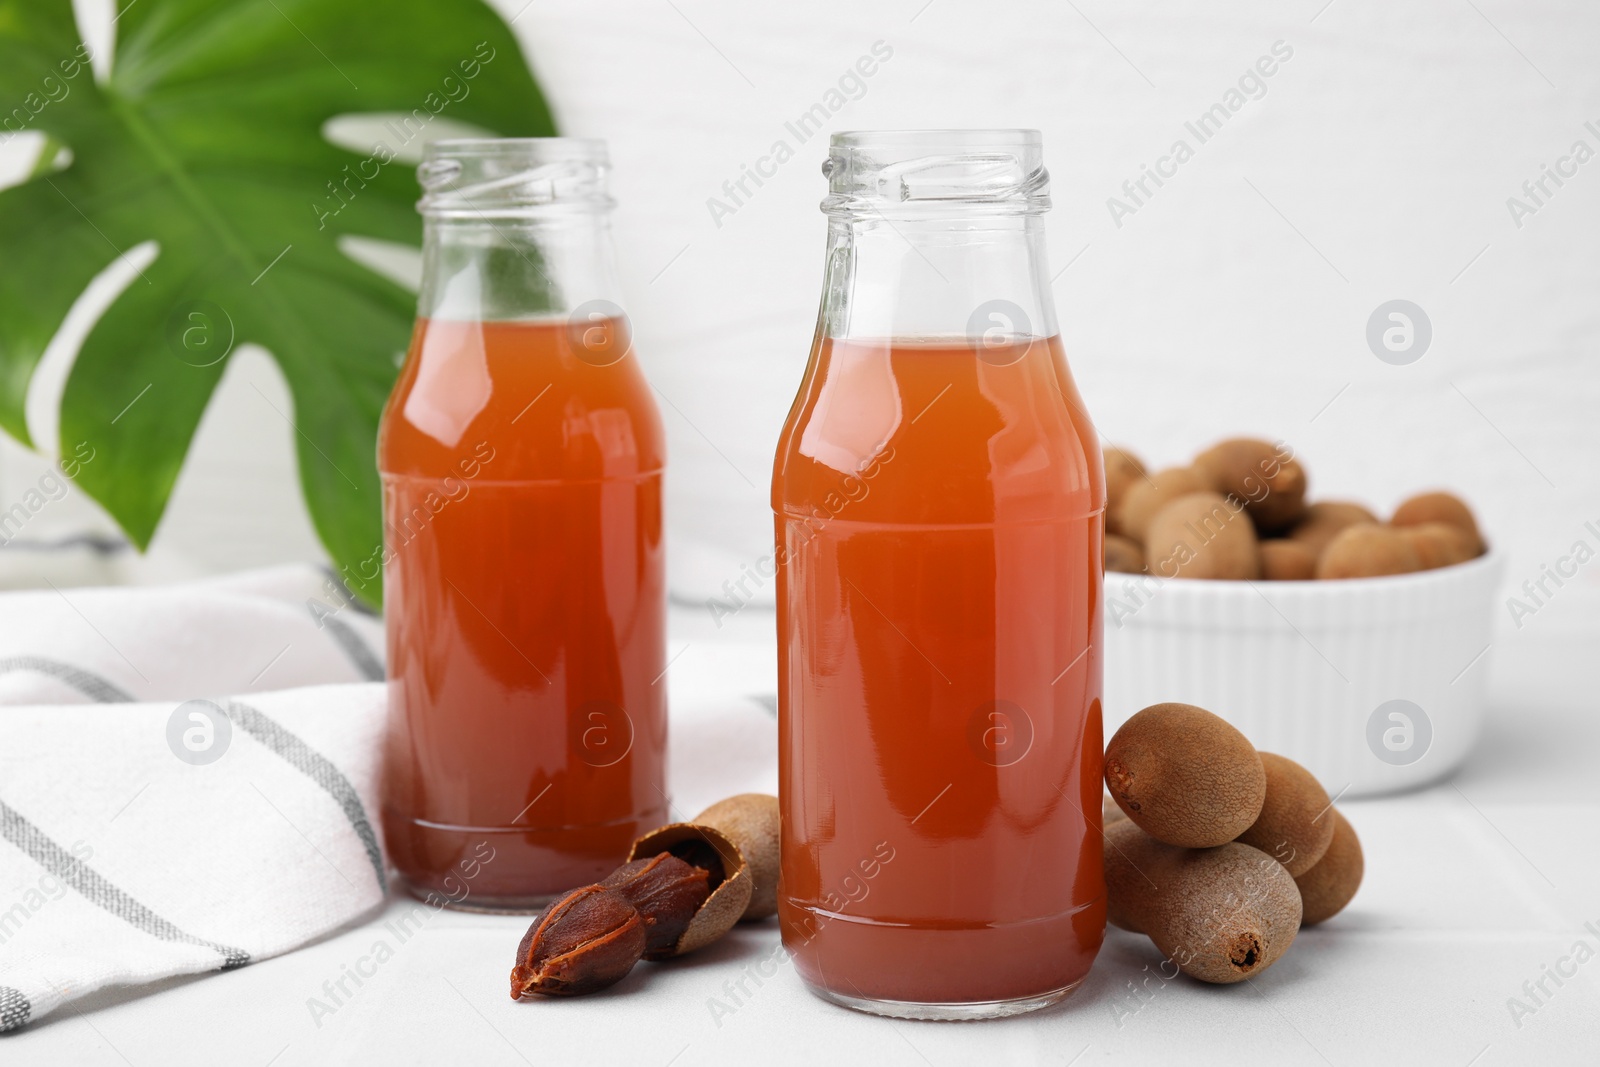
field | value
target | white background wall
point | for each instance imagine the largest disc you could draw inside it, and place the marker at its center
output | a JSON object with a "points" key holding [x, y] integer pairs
{"points": [[1376, 166]]}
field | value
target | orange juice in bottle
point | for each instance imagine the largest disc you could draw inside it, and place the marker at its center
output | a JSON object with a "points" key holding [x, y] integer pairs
{"points": [[938, 498], [521, 454]]}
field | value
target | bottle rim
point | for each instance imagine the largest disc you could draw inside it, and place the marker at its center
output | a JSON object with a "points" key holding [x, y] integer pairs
{"points": [[513, 177], [936, 172]]}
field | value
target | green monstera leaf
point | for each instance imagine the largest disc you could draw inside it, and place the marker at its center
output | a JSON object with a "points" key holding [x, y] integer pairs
{"points": [[208, 139]]}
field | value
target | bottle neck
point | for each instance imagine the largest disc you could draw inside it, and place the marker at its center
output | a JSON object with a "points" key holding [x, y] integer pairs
{"points": [[489, 269], [936, 277]]}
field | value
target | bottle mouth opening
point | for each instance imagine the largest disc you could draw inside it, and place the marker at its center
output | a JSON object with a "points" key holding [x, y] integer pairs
{"points": [[937, 172], [513, 176]]}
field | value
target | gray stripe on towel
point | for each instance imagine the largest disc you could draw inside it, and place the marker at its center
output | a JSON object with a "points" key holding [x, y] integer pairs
{"points": [[350, 642], [88, 683], [95, 889], [318, 768], [14, 1009]]}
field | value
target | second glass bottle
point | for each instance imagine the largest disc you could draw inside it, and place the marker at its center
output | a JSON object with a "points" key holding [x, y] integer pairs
{"points": [[938, 496]]}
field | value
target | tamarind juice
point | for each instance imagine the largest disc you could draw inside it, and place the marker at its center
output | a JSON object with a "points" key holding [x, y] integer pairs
{"points": [[525, 602], [939, 528]]}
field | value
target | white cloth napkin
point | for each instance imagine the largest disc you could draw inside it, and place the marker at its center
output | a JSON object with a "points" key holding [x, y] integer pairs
{"points": [[188, 779]]}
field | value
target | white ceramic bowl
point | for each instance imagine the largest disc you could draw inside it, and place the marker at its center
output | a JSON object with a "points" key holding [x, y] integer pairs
{"points": [[1374, 684]]}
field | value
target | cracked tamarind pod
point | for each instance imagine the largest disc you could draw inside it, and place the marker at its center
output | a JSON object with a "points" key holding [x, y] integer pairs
{"points": [[750, 821], [667, 892], [682, 887], [728, 878]]}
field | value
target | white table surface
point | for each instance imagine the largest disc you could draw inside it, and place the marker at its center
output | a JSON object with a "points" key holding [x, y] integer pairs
{"points": [[1473, 888]]}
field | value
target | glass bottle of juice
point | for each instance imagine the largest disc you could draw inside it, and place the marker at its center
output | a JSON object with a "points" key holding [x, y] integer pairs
{"points": [[939, 496], [521, 454]]}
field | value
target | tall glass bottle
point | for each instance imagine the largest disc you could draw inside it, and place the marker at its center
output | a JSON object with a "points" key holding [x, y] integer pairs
{"points": [[938, 496], [521, 454]]}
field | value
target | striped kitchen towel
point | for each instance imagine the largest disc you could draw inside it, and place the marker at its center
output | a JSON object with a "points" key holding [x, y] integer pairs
{"points": [[188, 779]]}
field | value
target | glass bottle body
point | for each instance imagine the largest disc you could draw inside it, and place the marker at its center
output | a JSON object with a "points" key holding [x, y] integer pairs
{"points": [[938, 499], [521, 455]]}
